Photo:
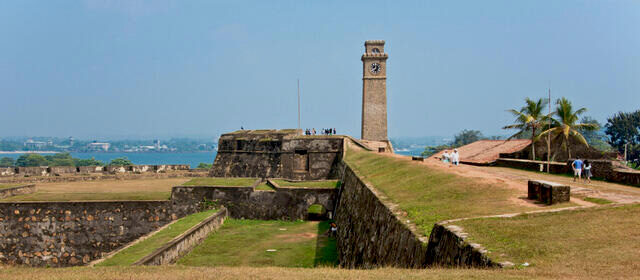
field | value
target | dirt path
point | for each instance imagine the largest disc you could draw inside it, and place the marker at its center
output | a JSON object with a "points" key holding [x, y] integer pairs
{"points": [[517, 179]]}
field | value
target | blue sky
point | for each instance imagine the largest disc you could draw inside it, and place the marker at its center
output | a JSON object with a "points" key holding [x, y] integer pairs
{"points": [[201, 68]]}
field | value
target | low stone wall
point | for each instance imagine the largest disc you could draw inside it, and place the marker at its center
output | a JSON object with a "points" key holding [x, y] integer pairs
{"points": [[554, 167], [102, 176], [248, 203], [13, 191], [75, 233], [608, 170], [184, 243], [64, 170], [448, 247], [371, 235]]}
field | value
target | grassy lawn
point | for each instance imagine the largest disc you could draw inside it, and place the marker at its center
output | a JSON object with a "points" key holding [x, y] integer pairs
{"points": [[597, 200], [600, 242], [6, 186], [308, 184], [429, 196], [219, 181], [245, 243], [138, 189], [147, 246]]}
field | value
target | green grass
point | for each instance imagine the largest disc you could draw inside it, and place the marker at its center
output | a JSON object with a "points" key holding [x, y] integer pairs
{"points": [[47, 196], [308, 184], [147, 246], [264, 187], [6, 186], [429, 196], [597, 200], [219, 181], [315, 209], [245, 243], [599, 241]]}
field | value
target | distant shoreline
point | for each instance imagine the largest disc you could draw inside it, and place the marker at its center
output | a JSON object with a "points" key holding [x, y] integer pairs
{"points": [[28, 152]]}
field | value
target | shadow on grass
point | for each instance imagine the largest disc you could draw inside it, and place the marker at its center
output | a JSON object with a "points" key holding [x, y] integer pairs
{"points": [[326, 250]]}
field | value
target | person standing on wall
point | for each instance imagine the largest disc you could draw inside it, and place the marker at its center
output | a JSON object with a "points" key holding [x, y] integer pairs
{"points": [[577, 169]]}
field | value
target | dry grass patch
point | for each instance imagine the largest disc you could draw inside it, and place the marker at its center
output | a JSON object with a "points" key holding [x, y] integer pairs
{"points": [[594, 242], [137, 189]]}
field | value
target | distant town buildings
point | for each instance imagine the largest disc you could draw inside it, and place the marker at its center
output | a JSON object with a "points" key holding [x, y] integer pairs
{"points": [[98, 146], [36, 145]]}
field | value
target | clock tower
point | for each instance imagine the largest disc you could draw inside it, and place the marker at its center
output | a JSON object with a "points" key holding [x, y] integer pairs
{"points": [[374, 91]]}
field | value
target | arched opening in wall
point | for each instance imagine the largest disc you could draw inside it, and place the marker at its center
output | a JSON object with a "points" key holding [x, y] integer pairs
{"points": [[317, 212]]}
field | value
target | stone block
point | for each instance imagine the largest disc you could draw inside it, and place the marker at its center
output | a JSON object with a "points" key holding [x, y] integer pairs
{"points": [[548, 192]]}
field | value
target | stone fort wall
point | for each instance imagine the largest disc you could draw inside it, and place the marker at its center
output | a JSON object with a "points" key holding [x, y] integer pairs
{"points": [[277, 154], [75, 233]]}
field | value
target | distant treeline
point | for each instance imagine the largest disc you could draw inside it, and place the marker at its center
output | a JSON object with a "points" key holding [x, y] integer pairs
{"points": [[60, 159]]}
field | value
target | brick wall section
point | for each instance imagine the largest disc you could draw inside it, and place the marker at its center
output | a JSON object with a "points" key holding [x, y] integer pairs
{"points": [[245, 202], [26, 189], [75, 233], [184, 243]]}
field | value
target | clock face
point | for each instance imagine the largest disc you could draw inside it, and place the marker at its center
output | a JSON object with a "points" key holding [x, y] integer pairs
{"points": [[375, 68]]}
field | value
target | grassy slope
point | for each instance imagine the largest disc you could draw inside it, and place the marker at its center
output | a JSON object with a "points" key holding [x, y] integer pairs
{"points": [[429, 196], [244, 243], [147, 246], [593, 242], [208, 181], [5, 186], [309, 184]]}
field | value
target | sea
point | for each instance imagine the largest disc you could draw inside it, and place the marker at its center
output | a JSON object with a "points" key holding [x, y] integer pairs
{"points": [[191, 158]]}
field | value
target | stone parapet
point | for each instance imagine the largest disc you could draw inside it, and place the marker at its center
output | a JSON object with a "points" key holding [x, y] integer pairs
{"points": [[183, 244], [75, 233], [18, 190]]}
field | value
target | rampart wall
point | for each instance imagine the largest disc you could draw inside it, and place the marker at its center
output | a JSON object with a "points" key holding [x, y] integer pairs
{"points": [[371, 235], [70, 170], [75, 233], [248, 203], [17, 190]]}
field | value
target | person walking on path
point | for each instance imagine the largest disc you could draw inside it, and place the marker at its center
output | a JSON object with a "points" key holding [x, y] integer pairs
{"points": [[455, 157], [587, 171], [577, 169]]}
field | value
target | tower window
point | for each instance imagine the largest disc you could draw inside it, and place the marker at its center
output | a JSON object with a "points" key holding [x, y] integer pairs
{"points": [[375, 50]]}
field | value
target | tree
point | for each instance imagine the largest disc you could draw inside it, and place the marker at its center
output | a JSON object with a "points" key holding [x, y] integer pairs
{"points": [[205, 165], [566, 125], [529, 118], [120, 161], [88, 162], [466, 137], [622, 129], [60, 159], [6, 162], [595, 137], [31, 160], [430, 150]]}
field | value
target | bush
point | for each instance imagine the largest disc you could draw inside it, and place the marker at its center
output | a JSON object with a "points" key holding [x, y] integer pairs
{"points": [[7, 162], [120, 161], [205, 165]]}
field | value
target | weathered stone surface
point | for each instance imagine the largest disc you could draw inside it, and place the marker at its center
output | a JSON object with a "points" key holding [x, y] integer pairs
{"points": [[33, 171], [90, 169], [277, 154], [74, 233], [58, 170], [548, 192], [184, 243], [245, 202], [7, 171], [369, 234], [448, 247], [26, 189], [374, 92]]}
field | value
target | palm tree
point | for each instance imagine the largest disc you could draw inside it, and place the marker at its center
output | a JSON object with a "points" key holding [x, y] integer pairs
{"points": [[567, 125], [529, 118]]}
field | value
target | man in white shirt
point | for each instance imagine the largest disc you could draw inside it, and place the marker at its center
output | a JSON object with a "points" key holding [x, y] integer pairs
{"points": [[455, 157], [446, 158]]}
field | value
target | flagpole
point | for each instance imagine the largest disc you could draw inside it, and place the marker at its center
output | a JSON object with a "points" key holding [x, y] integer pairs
{"points": [[549, 134], [299, 105]]}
